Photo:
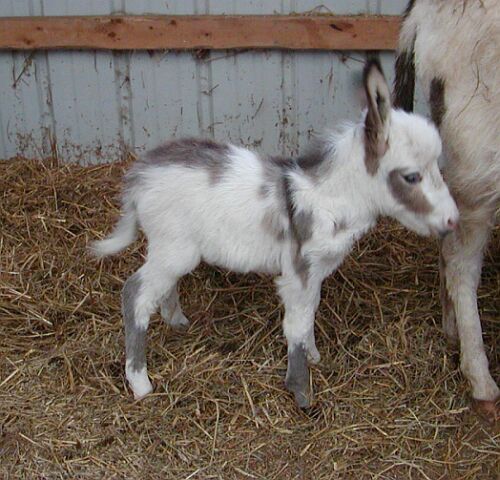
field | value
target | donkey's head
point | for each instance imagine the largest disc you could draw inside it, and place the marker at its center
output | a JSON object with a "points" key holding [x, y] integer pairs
{"points": [[401, 154]]}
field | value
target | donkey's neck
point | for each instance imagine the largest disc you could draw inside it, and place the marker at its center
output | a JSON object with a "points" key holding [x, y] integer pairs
{"points": [[340, 183]]}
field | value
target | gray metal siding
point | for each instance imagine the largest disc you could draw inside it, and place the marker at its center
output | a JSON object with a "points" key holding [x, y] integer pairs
{"points": [[92, 106]]}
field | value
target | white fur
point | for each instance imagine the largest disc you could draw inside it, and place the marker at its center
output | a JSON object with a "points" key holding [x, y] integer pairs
{"points": [[458, 41]]}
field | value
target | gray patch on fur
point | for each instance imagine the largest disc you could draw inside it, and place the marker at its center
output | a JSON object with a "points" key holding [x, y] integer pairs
{"points": [[275, 169], [297, 375], [190, 153], [135, 337], [436, 101], [411, 196], [277, 183], [314, 161], [302, 226], [301, 223], [273, 225], [288, 193]]}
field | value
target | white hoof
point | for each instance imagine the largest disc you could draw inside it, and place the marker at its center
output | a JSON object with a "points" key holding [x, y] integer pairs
{"points": [[139, 382], [179, 320], [142, 391]]}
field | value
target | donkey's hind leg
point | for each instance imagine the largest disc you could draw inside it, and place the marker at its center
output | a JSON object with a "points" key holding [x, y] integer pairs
{"points": [[141, 296], [171, 311]]}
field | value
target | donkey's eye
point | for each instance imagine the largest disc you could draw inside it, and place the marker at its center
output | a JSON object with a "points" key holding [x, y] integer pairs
{"points": [[412, 178]]}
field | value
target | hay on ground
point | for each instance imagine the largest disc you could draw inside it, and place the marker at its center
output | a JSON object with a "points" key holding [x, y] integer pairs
{"points": [[390, 402]]}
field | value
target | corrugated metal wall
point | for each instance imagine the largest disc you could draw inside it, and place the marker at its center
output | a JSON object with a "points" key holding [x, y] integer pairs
{"points": [[92, 106]]}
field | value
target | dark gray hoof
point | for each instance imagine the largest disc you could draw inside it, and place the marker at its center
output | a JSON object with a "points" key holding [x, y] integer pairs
{"points": [[297, 376], [302, 396]]}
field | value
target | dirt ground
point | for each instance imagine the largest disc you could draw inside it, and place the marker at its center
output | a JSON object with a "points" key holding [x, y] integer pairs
{"points": [[390, 402]]}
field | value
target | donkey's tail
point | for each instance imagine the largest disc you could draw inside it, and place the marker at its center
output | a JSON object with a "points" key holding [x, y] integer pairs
{"points": [[124, 234]]}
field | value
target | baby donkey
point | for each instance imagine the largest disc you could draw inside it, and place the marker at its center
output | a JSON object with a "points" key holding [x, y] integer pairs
{"points": [[200, 200]]}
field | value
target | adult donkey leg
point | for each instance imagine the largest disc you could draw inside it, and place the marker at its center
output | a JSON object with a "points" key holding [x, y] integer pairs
{"points": [[462, 253]]}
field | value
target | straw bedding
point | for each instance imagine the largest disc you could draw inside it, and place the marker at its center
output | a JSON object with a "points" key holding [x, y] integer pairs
{"points": [[390, 402]]}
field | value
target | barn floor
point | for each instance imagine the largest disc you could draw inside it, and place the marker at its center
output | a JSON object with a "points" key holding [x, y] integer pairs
{"points": [[389, 400]]}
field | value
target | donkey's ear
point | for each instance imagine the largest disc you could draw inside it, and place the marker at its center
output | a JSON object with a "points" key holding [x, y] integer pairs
{"points": [[378, 117]]}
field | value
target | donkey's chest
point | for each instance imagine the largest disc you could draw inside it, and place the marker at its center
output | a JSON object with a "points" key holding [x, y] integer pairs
{"points": [[331, 244]]}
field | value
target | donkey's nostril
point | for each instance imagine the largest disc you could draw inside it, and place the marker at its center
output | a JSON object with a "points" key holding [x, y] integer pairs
{"points": [[451, 224]]}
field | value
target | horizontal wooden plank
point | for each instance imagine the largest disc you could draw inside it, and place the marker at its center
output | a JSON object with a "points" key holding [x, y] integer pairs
{"points": [[191, 32]]}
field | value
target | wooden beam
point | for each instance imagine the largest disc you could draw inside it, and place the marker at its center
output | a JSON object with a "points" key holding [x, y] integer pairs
{"points": [[192, 32]]}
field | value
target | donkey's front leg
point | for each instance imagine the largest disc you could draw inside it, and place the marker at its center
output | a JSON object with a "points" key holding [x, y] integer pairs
{"points": [[301, 300]]}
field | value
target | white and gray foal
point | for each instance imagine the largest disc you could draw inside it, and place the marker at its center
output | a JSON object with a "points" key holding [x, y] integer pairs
{"points": [[297, 218]]}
